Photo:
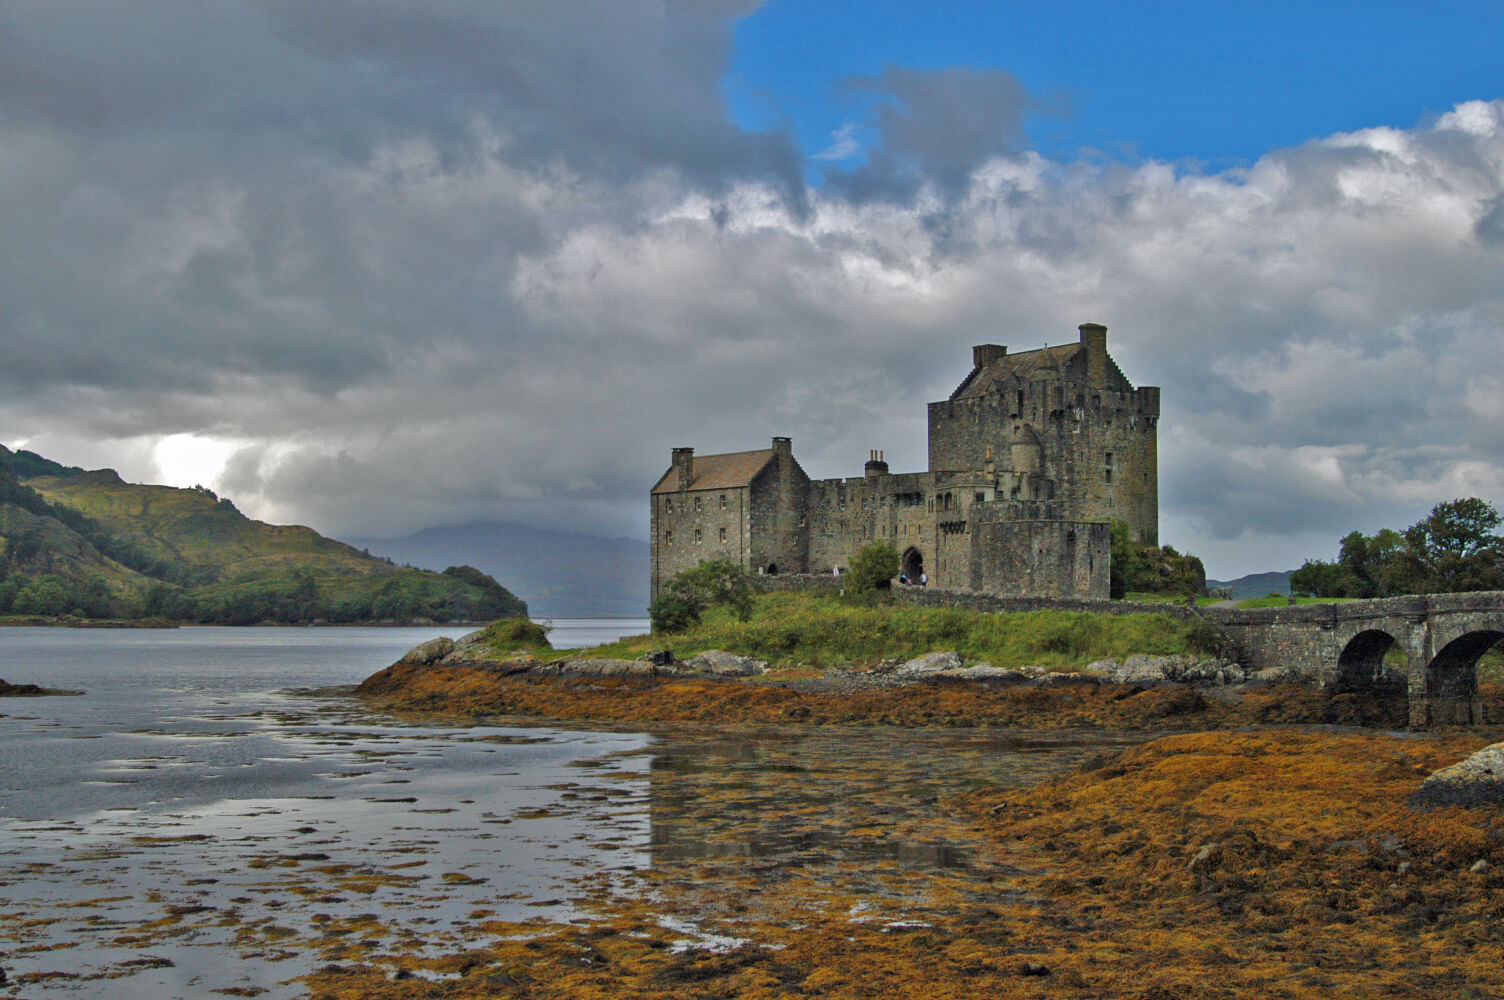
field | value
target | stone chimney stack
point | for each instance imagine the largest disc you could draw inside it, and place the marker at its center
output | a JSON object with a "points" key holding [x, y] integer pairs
{"points": [[684, 464], [875, 465], [983, 355], [1094, 339], [783, 447]]}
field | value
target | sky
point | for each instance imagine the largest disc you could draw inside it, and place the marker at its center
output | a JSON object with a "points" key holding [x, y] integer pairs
{"points": [[387, 265]]}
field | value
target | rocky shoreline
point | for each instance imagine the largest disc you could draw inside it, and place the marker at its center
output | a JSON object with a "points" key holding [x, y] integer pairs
{"points": [[8, 690]]}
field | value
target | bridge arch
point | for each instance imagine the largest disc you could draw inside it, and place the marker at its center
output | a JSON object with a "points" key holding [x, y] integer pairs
{"points": [[1361, 667], [1451, 678]]}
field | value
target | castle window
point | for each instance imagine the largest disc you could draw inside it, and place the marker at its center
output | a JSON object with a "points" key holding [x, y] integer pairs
{"points": [[668, 505], [980, 497], [1107, 472], [697, 536], [668, 538], [723, 501], [697, 503], [1020, 406], [723, 533]]}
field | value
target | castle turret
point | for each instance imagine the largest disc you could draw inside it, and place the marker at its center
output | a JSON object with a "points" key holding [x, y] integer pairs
{"points": [[1094, 339], [983, 355]]}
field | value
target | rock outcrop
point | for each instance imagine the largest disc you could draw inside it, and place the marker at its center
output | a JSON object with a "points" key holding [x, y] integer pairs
{"points": [[1477, 780], [1169, 670]]}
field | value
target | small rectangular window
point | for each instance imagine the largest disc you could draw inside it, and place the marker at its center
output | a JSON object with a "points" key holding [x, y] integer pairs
{"points": [[668, 538], [723, 534], [723, 501], [668, 505], [980, 498], [697, 536], [697, 503]]}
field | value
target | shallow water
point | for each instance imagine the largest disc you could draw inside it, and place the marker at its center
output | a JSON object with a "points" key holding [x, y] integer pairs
{"points": [[202, 821]]}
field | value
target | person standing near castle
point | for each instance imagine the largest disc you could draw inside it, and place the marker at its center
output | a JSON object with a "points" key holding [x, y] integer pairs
{"points": [[924, 579]]}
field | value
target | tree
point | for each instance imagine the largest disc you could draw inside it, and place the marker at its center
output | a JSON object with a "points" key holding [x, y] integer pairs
{"points": [[688, 595], [872, 570], [1452, 549], [1150, 569]]}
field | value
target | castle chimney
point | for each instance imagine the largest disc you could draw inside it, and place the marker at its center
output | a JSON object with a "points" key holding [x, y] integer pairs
{"points": [[875, 465], [783, 447], [983, 355], [1094, 339], [684, 464]]}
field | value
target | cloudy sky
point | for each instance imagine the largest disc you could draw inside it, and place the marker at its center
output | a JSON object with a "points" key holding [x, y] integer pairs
{"points": [[385, 265]]}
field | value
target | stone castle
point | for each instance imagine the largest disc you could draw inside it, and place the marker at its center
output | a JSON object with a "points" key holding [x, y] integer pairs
{"points": [[1030, 459]]}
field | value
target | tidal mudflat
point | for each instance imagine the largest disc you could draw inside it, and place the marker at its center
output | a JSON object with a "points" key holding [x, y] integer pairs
{"points": [[198, 826]]}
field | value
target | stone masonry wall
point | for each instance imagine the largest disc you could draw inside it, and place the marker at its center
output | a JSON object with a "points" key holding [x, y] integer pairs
{"points": [[693, 525]]}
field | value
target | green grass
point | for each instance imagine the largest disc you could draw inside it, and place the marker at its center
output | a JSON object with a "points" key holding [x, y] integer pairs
{"points": [[1280, 601], [1143, 597], [806, 629], [510, 635]]}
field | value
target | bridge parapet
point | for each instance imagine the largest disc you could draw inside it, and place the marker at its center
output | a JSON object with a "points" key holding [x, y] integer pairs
{"points": [[1343, 646]]}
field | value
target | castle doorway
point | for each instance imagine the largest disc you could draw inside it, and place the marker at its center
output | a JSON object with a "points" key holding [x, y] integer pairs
{"points": [[772, 569], [913, 564]]}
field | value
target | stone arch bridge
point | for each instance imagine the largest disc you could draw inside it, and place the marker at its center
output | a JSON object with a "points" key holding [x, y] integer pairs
{"points": [[1343, 647]]}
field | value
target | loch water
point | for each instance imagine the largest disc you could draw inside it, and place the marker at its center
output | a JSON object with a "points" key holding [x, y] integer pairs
{"points": [[216, 810]]}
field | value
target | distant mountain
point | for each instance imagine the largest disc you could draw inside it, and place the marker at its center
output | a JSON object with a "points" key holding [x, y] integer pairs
{"points": [[1256, 585], [560, 574], [90, 544]]}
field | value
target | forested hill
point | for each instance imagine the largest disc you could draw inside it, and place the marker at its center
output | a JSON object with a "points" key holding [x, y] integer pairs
{"points": [[92, 545]]}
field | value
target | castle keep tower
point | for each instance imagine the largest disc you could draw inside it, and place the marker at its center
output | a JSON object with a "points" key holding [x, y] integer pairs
{"points": [[1064, 423], [1029, 460]]}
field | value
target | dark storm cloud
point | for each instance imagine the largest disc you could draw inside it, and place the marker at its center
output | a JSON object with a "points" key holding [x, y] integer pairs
{"points": [[935, 126], [610, 89]]}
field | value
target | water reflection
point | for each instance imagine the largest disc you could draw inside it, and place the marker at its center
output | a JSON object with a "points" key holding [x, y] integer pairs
{"points": [[185, 830]]}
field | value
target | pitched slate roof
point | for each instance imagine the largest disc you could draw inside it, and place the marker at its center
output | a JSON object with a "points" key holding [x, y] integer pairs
{"points": [[718, 472], [1068, 360]]}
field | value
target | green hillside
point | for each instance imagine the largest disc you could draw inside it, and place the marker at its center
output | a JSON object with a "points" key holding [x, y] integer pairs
{"points": [[90, 544]]}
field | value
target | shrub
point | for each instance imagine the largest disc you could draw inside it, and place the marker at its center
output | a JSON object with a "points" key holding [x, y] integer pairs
{"points": [[511, 634], [713, 583], [672, 612], [872, 570]]}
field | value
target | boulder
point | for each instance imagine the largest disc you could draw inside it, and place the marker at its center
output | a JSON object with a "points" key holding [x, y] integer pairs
{"points": [[929, 665], [1178, 669], [429, 652], [601, 668], [715, 661], [1476, 780], [1065, 680]]}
